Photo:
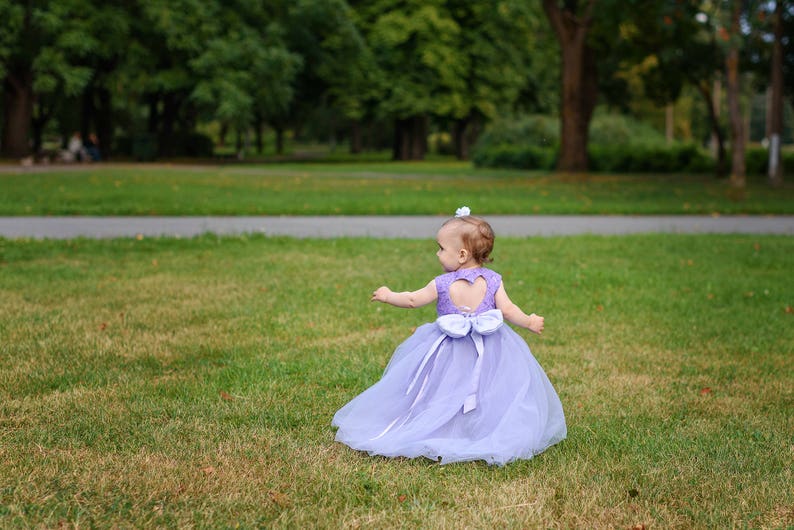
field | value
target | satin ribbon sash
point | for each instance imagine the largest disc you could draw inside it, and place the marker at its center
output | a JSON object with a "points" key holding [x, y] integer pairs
{"points": [[457, 326]]}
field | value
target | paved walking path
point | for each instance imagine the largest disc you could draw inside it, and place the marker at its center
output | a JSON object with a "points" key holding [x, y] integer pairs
{"points": [[382, 226]]}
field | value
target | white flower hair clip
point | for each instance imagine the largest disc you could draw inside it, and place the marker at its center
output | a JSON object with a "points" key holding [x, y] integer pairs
{"points": [[463, 211]]}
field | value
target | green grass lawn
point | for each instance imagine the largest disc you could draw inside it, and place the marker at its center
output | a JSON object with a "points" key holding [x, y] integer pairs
{"points": [[371, 188], [191, 383]]}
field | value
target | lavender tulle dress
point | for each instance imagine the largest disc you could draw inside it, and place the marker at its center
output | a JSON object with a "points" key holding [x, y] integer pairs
{"points": [[465, 387]]}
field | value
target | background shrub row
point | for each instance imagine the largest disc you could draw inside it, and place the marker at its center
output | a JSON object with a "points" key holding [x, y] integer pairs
{"points": [[616, 144], [629, 159]]}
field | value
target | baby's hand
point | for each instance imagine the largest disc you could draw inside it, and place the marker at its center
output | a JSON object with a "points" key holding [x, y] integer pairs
{"points": [[381, 294], [535, 324]]}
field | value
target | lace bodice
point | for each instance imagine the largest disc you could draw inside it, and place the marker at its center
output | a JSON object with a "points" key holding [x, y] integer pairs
{"points": [[493, 280]]}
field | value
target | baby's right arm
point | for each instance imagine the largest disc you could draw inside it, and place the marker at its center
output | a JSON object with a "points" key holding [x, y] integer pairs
{"points": [[408, 299]]}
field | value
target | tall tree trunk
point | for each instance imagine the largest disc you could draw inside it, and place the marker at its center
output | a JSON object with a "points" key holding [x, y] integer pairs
{"points": [[170, 107], [459, 128], [775, 171], [669, 123], [716, 130], [465, 132], [733, 93], [154, 115], [17, 113], [399, 149], [579, 78], [41, 116], [715, 106], [37, 132], [410, 138], [87, 111], [167, 142], [103, 120], [279, 140], [356, 143], [419, 129], [259, 125]]}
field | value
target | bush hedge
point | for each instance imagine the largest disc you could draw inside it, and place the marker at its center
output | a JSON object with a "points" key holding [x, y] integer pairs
{"points": [[683, 158], [648, 159], [617, 144], [756, 160], [536, 130], [612, 158], [515, 156]]}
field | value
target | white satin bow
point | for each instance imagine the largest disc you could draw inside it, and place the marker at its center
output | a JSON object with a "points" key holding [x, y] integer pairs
{"points": [[457, 326]]}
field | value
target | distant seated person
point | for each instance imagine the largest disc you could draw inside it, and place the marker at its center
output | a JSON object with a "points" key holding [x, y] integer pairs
{"points": [[92, 148], [75, 151]]}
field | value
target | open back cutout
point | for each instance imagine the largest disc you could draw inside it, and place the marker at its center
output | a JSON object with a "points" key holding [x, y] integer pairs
{"points": [[468, 296]]}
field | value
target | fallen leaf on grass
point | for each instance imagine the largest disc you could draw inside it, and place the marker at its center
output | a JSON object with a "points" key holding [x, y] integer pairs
{"points": [[226, 396], [599, 308], [789, 309], [705, 391], [209, 470], [103, 326], [402, 498], [279, 498], [639, 526]]}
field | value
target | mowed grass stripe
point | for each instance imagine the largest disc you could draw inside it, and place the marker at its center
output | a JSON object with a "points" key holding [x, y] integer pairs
{"points": [[428, 188]]}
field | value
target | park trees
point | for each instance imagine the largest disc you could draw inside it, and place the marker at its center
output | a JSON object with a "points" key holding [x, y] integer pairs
{"points": [[44, 48], [110, 25], [674, 44], [326, 67], [339, 75], [496, 41], [159, 75], [245, 72], [453, 61], [415, 43]]}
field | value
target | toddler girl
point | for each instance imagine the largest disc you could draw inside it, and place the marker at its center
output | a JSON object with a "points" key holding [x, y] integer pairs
{"points": [[465, 387]]}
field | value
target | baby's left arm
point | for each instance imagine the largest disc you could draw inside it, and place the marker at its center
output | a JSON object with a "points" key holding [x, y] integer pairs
{"points": [[409, 299], [515, 315]]}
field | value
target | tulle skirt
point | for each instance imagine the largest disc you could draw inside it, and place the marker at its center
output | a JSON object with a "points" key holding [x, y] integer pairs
{"points": [[518, 413]]}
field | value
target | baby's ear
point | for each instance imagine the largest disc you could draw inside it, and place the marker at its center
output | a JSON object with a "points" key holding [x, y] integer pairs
{"points": [[463, 255]]}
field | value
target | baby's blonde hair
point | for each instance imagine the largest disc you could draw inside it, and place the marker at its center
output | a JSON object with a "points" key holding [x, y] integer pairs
{"points": [[477, 236]]}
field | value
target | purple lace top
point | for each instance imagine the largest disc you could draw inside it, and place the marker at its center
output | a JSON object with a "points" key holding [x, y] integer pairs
{"points": [[493, 280]]}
